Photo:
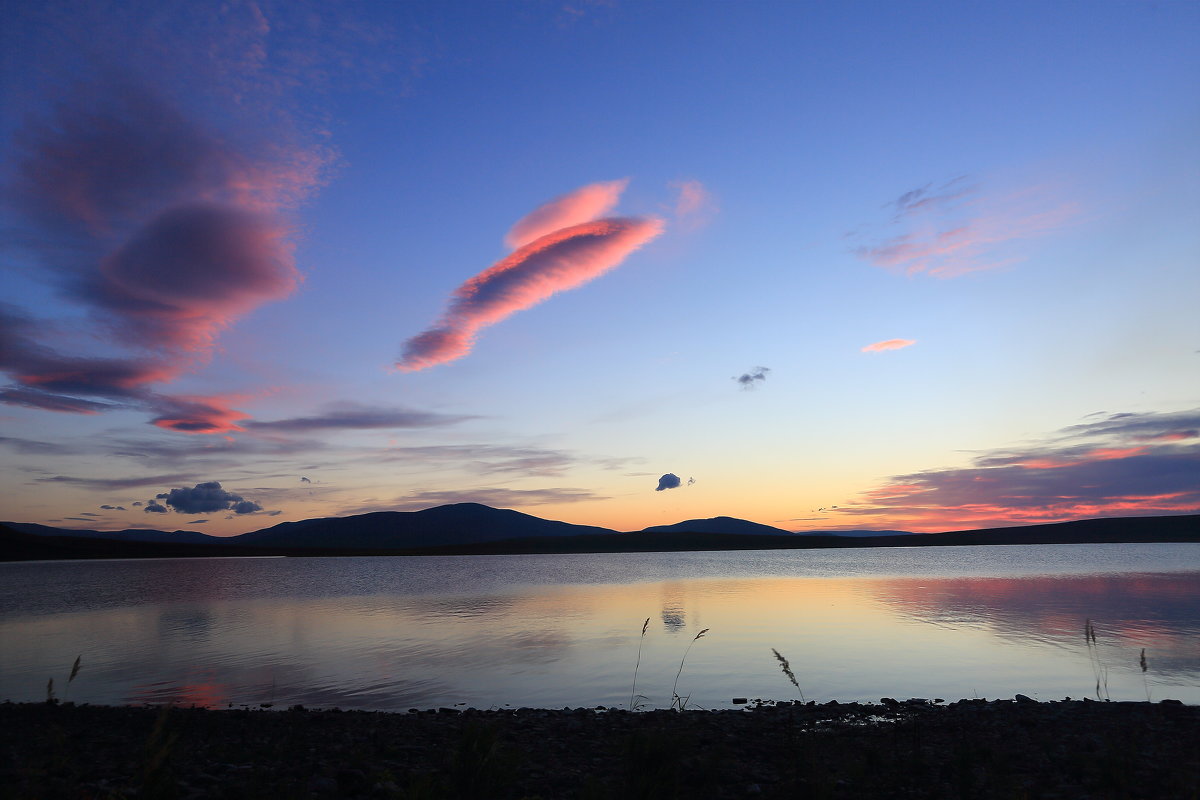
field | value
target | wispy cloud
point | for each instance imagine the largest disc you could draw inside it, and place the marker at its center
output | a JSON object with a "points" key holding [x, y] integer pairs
{"points": [[486, 459], [116, 483], [490, 496], [1121, 464], [36, 448], [955, 228], [208, 415], [164, 253], [157, 196], [888, 344], [351, 416], [695, 205], [556, 261]]}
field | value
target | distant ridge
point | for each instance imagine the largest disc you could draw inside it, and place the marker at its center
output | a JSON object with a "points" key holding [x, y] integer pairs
{"points": [[858, 533], [128, 535], [471, 528], [730, 525]]}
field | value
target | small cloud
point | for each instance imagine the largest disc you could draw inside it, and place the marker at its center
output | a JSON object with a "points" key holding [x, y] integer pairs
{"points": [[691, 481], [136, 503], [927, 197], [304, 479], [748, 379], [888, 344], [668, 481], [197, 414], [206, 498], [694, 204], [153, 508], [197, 522]]}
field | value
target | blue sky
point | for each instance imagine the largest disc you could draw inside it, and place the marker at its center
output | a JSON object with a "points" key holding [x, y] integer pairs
{"points": [[227, 222]]}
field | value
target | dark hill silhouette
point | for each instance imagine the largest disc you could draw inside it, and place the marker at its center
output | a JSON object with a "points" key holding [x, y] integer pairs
{"points": [[16, 545], [860, 533], [128, 535], [719, 525], [470, 528], [457, 524]]}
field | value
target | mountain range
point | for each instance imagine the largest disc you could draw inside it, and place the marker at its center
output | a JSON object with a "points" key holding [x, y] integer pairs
{"points": [[466, 528]]}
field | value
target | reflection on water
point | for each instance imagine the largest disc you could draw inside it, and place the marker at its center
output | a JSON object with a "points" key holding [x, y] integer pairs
{"points": [[552, 631]]}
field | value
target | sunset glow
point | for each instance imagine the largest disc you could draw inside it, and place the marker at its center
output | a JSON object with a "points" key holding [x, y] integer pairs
{"points": [[829, 266]]}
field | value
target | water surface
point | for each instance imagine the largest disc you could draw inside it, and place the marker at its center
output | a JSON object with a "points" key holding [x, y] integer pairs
{"points": [[563, 630]]}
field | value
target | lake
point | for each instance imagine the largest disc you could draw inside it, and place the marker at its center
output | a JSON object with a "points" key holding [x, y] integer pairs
{"points": [[394, 633]]}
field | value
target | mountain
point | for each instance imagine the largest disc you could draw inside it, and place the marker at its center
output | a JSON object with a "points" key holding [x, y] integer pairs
{"points": [[718, 525], [457, 524], [129, 535]]}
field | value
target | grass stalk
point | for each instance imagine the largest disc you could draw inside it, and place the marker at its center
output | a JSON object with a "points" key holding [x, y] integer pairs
{"points": [[676, 700], [633, 692], [74, 672], [787, 670], [1099, 670]]}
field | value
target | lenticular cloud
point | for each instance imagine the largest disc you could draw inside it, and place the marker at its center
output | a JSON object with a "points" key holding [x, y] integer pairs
{"points": [[582, 205], [553, 260]]}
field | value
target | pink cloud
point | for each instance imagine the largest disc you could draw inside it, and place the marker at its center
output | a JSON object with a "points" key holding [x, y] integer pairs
{"points": [[1098, 469], [574, 208], [888, 344], [207, 415], [556, 262], [165, 231], [194, 269]]}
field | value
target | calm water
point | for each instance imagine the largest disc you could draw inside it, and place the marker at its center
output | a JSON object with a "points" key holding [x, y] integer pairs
{"points": [[553, 631]]}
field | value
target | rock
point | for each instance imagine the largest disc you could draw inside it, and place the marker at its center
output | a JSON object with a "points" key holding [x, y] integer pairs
{"points": [[1021, 698], [739, 701]]}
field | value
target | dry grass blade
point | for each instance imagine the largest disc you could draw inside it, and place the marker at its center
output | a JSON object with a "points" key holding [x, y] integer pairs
{"points": [[75, 667], [1099, 670], [633, 691], [676, 701], [787, 670]]}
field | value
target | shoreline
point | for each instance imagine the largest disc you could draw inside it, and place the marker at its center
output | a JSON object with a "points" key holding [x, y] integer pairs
{"points": [[914, 748]]}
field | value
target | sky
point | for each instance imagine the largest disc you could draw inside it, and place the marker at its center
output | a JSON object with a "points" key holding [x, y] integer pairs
{"points": [[921, 266]]}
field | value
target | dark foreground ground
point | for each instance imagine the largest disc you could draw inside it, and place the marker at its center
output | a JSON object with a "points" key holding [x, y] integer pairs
{"points": [[969, 749]]}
